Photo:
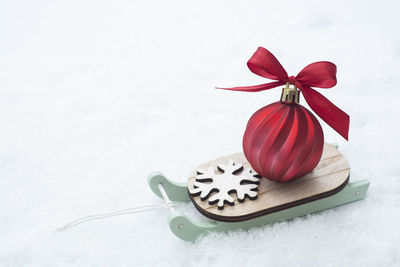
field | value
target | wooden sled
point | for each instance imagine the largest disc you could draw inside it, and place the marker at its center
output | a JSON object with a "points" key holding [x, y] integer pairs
{"points": [[327, 186]]}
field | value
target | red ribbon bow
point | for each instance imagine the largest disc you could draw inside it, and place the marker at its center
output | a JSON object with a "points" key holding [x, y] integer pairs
{"points": [[320, 74]]}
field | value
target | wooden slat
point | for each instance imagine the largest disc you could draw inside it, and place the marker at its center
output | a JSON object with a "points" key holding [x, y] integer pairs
{"points": [[330, 175]]}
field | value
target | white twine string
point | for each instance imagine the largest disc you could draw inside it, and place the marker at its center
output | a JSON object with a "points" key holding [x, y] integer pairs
{"points": [[142, 208], [138, 209], [168, 202]]}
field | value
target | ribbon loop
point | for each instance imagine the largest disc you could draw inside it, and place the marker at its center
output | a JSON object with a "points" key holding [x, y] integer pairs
{"points": [[264, 64], [320, 74]]}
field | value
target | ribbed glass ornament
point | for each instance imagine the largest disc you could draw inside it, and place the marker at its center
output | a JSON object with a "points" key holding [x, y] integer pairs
{"points": [[283, 141]]}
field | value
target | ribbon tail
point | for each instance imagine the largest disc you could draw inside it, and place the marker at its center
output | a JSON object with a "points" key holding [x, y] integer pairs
{"points": [[327, 111], [254, 88]]}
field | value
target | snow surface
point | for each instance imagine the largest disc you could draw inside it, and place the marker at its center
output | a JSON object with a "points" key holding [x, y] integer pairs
{"points": [[94, 95]]}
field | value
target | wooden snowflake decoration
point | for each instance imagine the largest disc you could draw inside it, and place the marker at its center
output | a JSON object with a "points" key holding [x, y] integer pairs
{"points": [[231, 178]]}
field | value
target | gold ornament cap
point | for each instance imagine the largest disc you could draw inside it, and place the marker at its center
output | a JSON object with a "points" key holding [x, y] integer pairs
{"points": [[290, 95]]}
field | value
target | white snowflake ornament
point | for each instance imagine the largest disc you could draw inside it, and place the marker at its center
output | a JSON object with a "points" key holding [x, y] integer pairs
{"points": [[234, 179]]}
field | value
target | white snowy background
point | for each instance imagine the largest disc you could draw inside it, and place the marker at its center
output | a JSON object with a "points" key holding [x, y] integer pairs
{"points": [[95, 95]]}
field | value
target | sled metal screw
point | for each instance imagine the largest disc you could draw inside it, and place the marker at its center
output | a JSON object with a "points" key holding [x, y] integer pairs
{"points": [[168, 202], [357, 193], [180, 226]]}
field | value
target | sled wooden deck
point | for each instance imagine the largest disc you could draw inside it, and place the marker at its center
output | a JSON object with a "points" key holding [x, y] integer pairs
{"points": [[329, 177], [325, 187]]}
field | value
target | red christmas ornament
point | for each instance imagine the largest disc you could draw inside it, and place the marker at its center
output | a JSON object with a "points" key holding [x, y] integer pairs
{"points": [[284, 141]]}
